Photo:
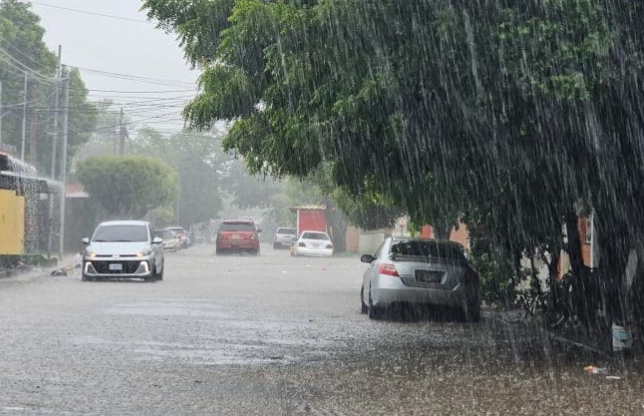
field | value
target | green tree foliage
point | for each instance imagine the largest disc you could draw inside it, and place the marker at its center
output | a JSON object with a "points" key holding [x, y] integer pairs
{"points": [[128, 187], [197, 159], [509, 112], [22, 45]]}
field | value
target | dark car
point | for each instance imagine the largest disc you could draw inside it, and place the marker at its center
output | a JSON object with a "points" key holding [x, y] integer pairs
{"points": [[238, 236]]}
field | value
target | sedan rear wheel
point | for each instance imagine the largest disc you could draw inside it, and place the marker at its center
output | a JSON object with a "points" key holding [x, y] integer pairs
{"points": [[472, 310], [373, 312]]}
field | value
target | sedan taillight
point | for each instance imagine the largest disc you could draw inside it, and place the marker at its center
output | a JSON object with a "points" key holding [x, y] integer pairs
{"points": [[329, 246], [388, 269]]}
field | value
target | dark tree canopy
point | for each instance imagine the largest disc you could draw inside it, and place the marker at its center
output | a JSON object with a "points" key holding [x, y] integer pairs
{"points": [[514, 113]]}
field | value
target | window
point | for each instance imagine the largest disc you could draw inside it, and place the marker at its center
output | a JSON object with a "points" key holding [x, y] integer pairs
{"points": [[121, 233], [379, 250], [237, 226], [427, 249], [315, 236]]}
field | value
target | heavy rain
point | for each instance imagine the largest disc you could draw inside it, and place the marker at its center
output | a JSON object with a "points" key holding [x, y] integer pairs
{"points": [[321, 207]]}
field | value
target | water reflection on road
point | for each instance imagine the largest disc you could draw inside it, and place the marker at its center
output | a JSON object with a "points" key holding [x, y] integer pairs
{"points": [[276, 335]]}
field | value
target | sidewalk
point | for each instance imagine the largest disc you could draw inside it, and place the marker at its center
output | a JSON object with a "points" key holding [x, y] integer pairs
{"points": [[572, 335], [68, 262]]}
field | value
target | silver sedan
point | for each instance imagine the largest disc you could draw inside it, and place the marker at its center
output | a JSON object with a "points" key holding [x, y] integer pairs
{"points": [[413, 272]]}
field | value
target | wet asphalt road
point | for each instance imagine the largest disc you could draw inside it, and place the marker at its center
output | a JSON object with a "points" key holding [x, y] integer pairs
{"points": [[275, 335]]}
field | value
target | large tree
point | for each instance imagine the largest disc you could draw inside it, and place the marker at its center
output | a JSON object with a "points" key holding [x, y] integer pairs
{"points": [[197, 159], [510, 112], [128, 187], [22, 49]]}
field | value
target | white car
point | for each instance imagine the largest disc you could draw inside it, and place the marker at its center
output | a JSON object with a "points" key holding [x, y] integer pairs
{"points": [[313, 243], [123, 249]]}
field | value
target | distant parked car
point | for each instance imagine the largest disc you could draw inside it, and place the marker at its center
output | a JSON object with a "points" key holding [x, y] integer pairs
{"points": [[238, 236], [183, 235], [171, 240], [123, 249], [413, 272], [314, 244], [284, 237]]}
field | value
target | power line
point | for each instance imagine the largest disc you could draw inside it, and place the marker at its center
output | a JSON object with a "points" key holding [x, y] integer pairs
{"points": [[111, 16], [18, 51], [128, 77], [4, 55], [138, 92]]}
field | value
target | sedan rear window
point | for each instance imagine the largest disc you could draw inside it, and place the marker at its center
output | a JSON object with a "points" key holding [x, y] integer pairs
{"points": [[315, 236], [121, 233], [426, 249], [237, 226], [289, 231]]}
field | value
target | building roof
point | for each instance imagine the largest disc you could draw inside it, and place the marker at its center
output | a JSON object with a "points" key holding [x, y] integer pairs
{"points": [[309, 208]]}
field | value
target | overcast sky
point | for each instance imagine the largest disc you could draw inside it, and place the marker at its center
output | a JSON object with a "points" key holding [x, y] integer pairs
{"points": [[122, 47]]}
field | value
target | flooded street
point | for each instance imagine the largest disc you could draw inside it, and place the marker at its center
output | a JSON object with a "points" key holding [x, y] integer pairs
{"points": [[275, 335]]}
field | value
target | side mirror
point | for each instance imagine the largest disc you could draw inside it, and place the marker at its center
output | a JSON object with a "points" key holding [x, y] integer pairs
{"points": [[85, 241], [367, 258], [157, 240]]}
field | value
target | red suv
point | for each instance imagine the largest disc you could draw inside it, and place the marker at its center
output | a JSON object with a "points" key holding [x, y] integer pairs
{"points": [[238, 236]]}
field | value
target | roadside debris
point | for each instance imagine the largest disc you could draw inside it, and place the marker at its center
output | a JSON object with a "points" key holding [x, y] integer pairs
{"points": [[594, 370], [622, 338], [65, 270]]}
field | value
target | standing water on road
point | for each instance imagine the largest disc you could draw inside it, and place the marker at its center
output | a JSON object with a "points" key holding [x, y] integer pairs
{"points": [[476, 170]]}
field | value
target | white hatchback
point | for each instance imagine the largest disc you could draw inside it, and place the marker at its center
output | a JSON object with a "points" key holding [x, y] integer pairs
{"points": [[313, 243]]}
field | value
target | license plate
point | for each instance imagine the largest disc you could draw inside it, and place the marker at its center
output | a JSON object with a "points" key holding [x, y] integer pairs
{"points": [[116, 267], [316, 245], [236, 237], [429, 276]]}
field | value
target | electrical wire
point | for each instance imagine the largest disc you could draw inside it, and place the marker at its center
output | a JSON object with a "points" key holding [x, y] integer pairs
{"points": [[135, 78], [111, 16], [137, 92], [24, 68], [38, 100]]}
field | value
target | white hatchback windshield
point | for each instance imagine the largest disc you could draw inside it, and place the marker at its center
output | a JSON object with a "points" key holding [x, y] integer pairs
{"points": [[120, 233]]}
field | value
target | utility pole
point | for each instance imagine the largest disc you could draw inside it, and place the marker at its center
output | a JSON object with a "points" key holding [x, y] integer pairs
{"points": [[1, 109], [54, 147], [24, 120], [63, 164], [121, 135]]}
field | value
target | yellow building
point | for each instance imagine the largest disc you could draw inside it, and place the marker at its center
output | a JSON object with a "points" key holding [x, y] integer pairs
{"points": [[12, 223]]}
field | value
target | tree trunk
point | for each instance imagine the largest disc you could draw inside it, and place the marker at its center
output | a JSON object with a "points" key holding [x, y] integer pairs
{"points": [[586, 292], [442, 229], [337, 225]]}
